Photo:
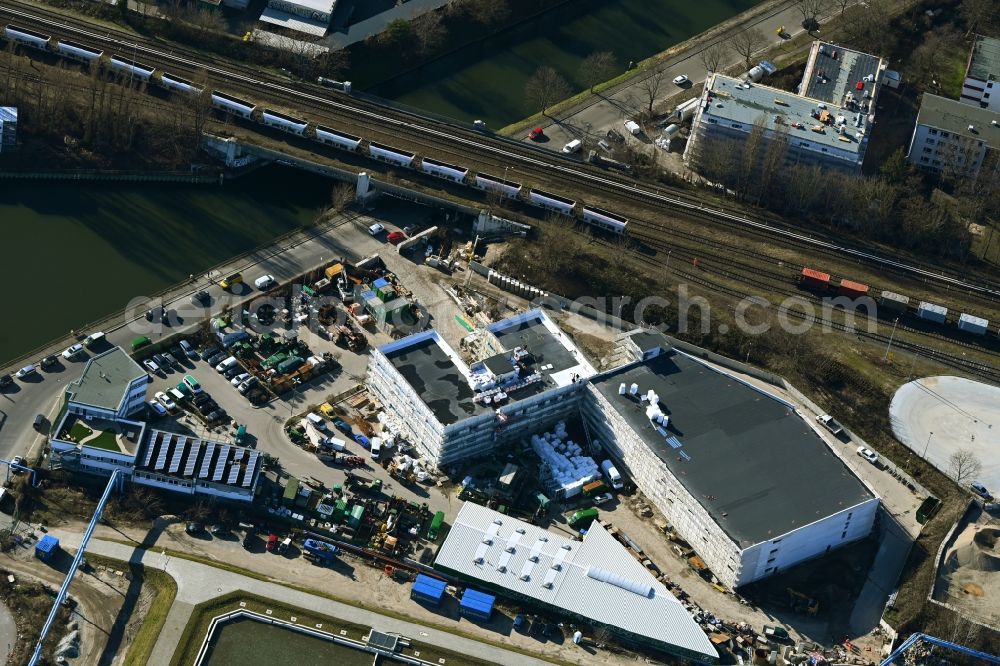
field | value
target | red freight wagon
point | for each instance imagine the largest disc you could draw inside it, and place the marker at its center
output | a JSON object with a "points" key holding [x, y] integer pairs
{"points": [[814, 279], [853, 289]]}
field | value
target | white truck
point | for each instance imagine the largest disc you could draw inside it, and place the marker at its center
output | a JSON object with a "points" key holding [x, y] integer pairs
{"points": [[830, 424], [612, 475]]}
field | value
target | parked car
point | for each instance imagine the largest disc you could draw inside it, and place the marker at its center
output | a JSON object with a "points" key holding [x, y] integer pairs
{"points": [[171, 359], [868, 454], [93, 339], [49, 362], [342, 426], [240, 378], [210, 351], [680, 80], [29, 369], [229, 373], [519, 622], [6, 380], [265, 282], [188, 350], [536, 134], [981, 490], [830, 423], [272, 542], [201, 298], [152, 366], [201, 399], [247, 385], [317, 421], [362, 440], [396, 237], [633, 127], [157, 408], [376, 229], [215, 358], [194, 528], [603, 497], [165, 400], [161, 360], [72, 351], [573, 146], [39, 423]]}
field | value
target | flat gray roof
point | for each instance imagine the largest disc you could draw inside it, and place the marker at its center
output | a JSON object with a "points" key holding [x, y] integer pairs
{"points": [[954, 116], [437, 380], [595, 578], [734, 101], [836, 71], [984, 63], [752, 462], [105, 379], [544, 348]]}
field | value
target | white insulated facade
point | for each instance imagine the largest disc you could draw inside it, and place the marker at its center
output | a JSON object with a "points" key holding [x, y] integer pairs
{"points": [[981, 86]]}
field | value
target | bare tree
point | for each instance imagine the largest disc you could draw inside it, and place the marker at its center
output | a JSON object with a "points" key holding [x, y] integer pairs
{"points": [[747, 43], [809, 9], [488, 12], [597, 68], [975, 12], [964, 464], [429, 31], [650, 87], [712, 57], [545, 87]]}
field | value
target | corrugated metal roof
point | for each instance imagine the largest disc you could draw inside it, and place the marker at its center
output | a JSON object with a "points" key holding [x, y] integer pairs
{"points": [[606, 597]]}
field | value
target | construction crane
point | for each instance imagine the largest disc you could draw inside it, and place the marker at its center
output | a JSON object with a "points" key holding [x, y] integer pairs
{"points": [[113, 483], [917, 638]]}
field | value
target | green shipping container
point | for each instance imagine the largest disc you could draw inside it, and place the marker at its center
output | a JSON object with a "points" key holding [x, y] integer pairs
{"points": [[356, 514], [289, 365], [275, 359], [340, 511], [291, 490], [436, 522]]}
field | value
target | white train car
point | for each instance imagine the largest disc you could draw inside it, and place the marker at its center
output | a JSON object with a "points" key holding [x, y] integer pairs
{"points": [[130, 68], [389, 154], [338, 139], [177, 84], [233, 105], [25, 36], [603, 219], [283, 122], [443, 170], [551, 201], [493, 184], [79, 52]]}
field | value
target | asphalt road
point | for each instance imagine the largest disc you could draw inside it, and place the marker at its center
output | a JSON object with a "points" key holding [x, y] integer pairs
{"points": [[198, 582], [592, 120]]}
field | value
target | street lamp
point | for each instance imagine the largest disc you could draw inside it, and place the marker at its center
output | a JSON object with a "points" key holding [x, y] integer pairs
{"points": [[891, 335], [927, 444]]}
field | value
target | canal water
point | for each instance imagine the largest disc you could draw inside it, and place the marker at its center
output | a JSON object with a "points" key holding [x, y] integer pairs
{"points": [[486, 80], [75, 252]]}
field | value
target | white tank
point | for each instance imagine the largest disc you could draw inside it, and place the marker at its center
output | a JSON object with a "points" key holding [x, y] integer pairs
{"points": [[634, 389], [621, 389]]}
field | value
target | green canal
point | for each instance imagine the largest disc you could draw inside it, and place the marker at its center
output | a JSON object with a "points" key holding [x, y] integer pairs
{"points": [[75, 252], [486, 80]]}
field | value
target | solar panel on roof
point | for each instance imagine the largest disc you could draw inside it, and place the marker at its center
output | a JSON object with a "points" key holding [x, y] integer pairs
{"points": [[251, 466], [192, 458], [179, 449], [149, 449], [674, 442], [234, 471], [220, 466], [206, 462], [161, 459]]}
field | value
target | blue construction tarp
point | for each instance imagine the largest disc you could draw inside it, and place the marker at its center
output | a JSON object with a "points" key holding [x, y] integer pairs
{"points": [[476, 604], [379, 283], [428, 589], [46, 547]]}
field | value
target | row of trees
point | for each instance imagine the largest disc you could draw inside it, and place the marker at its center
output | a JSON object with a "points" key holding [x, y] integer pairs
{"points": [[896, 206]]}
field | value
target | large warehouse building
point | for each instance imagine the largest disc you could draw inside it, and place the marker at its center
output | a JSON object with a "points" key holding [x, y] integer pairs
{"points": [[748, 482], [744, 478], [594, 580]]}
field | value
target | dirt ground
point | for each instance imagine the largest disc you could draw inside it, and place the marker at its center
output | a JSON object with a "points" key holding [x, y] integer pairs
{"points": [[968, 578], [100, 595]]}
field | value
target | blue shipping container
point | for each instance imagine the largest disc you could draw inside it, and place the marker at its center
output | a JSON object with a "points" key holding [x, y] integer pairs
{"points": [[46, 548], [476, 605], [430, 590]]}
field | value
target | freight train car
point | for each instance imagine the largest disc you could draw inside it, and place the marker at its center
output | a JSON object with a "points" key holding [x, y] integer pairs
{"points": [[444, 170], [490, 183], [603, 219], [391, 155], [177, 84], [552, 202]]}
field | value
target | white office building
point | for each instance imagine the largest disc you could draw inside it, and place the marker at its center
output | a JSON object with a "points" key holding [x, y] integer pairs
{"points": [[311, 17], [112, 386], [981, 87], [953, 138]]}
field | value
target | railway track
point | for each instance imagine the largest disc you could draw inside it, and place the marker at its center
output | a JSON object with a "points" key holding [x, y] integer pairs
{"points": [[459, 139], [984, 371]]}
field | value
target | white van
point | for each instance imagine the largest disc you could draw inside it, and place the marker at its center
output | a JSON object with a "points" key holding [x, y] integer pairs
{"points": [[265, 282], [633, 127], [176, 395], [573, 146], [93, 339], [317, 421], [226, 364], [334, 444], [376, 447]]}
